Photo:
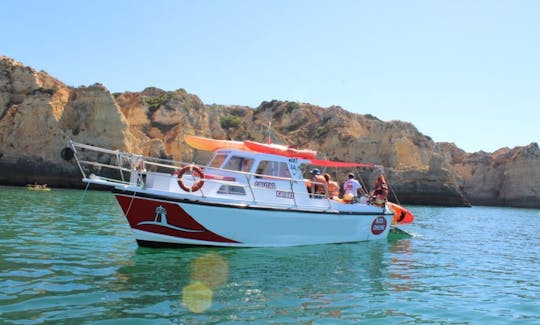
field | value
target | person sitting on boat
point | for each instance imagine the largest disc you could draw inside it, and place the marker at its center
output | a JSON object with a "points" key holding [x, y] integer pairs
{"points": [[246, 165], [318, 183], [380, 192], [333, 187], [138, 164], [352, 188]]}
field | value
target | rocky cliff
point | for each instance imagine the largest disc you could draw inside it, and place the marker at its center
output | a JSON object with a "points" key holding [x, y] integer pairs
{"points": [[38, 114], [506, 177]]}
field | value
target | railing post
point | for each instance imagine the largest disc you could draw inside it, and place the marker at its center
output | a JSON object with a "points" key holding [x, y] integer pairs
{"points": [[73, 147], [248, 179], [291, 182], [119, 162], [327, 194], [134, 177]]}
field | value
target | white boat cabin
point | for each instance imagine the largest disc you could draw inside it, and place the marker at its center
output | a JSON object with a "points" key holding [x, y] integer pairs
{"points": [[254, 177], [248, 178], [263, 172]]}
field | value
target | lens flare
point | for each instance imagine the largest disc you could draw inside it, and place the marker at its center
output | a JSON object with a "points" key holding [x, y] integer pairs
{"points": [[197, 297]]}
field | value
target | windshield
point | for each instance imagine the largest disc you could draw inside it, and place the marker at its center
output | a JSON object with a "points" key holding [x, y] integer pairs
{"points": [[273, 168], [239, 163], [218, 160]]}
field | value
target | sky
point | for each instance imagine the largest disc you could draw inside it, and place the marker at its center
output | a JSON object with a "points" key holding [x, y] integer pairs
{"points": [[466, 72]]}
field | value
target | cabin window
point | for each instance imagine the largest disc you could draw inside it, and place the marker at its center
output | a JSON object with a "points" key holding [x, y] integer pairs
{"points": [[239, 163], [273, 168], [232, 189], [218, 160]]}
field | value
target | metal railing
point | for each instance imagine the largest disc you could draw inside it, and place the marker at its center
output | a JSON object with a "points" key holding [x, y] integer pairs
{"points": [[93, 160]]}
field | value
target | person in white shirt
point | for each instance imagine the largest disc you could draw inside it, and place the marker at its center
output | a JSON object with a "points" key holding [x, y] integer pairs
{"points": [[352, 187]]}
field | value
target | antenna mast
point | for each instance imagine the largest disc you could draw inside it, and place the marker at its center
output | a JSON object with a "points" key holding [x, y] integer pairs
{"points": [[268, 140]]}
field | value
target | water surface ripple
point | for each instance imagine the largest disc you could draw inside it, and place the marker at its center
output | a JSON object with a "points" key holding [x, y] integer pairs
{"points": [[69, 257]]}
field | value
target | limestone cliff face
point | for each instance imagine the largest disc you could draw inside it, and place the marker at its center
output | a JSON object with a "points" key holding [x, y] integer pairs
{"points": [[417, 174], [38, 114], [159, 119], [506, 177]]}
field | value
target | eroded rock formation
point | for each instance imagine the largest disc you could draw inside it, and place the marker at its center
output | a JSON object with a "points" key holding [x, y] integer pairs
{"points": [[39, 114], [506, 177]]}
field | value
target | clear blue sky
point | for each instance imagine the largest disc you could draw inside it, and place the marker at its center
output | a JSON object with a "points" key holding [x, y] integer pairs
{"points": [[465, 71]]}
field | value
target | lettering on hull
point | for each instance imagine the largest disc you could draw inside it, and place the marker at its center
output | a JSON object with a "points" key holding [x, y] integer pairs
{"points": [[378, 225], [266, 185], [285, 194]]}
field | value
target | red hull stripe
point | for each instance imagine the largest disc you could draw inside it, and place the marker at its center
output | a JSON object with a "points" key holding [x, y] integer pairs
{"points": [[165, 218]]}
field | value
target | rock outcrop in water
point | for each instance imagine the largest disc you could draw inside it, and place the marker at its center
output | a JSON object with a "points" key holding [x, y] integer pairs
{"points": [[38, 114]]}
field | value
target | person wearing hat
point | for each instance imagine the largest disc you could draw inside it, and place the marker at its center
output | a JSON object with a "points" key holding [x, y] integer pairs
{"points": [[352, 188], [317, 184]]}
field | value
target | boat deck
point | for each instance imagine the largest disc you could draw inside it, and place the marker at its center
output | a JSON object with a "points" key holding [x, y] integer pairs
{"points": [[131, 173]]}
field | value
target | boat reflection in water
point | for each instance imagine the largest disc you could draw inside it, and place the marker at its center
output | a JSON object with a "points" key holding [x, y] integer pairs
{"points": [[224, 282]]}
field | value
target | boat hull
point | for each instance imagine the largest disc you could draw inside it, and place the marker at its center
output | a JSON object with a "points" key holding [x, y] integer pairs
{"points": [[163, 221]]}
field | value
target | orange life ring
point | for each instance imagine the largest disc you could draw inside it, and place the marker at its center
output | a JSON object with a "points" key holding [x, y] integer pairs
{"points": [[195, 170]]}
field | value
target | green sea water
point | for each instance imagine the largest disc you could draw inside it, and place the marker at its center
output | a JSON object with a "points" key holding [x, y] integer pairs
{"points": [[68, 257]]}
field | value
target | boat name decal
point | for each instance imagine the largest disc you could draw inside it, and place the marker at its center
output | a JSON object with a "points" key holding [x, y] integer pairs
{"points": [[378, 225], [293, 166], [285, 194], [267, 185]]}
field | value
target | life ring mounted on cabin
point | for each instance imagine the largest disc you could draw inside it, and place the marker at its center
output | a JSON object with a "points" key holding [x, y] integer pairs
{"points": [[195, 171]]}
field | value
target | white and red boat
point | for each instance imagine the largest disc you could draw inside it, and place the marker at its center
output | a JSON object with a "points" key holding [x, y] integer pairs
{"points": [[246, 196]]}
